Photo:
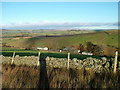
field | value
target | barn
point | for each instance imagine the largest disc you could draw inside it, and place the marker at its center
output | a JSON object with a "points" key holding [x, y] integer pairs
{"points": [[42, 48]]}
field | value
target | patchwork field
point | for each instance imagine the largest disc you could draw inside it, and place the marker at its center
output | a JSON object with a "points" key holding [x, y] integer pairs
{"points": [[106, 39], [60, 41]]}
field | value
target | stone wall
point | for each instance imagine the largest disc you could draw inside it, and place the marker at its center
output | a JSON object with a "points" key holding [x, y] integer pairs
{"points": [[98, 65]]}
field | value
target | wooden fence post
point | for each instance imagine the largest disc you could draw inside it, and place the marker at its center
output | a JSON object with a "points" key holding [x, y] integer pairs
{"points": [[115, 62], [13, 58], [68, 60], [38, 59]]}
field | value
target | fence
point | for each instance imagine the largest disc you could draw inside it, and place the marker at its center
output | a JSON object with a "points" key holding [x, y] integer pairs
{"points": [[68, 60]]}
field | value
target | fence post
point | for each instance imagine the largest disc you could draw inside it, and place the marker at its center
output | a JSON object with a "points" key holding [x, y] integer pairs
{"points": [[115, 62], [13, 58], [38, 59], [68, 60]]}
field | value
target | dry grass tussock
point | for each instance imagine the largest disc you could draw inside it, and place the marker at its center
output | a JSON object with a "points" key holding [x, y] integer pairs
{"points": [[34, 77]]}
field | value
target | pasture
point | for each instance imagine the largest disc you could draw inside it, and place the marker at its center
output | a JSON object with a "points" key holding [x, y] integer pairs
{"points": [[102, 38], [45, 54]]}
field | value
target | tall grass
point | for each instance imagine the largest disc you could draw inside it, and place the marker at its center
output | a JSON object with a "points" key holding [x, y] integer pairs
{"points": [[31, 77]]}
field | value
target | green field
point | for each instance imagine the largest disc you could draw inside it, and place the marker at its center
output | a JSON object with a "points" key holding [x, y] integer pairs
{"points": [[108, 40], [6, 51], [20, 33], [11, 49], [45, 54], [99, 38]]}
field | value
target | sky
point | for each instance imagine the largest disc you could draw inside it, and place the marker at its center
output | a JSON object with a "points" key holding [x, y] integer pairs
{"points": [[60, 0], [59, 15]]}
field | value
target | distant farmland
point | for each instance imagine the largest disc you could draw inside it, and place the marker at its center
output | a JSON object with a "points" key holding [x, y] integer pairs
{"points": [[100, 38], [60, 39]]}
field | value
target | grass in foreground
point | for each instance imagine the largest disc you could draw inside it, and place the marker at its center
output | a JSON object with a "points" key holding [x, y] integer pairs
{"points": [[34, 77]]}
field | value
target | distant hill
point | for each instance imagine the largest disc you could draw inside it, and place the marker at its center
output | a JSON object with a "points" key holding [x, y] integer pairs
{"points": [[60, 40]]}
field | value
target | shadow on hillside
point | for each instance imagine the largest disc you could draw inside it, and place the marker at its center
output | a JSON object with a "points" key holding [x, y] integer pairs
{"points": [[43, 77]]}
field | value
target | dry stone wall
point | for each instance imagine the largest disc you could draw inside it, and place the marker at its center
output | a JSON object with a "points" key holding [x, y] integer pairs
{"points": [[98, 65], [26, 60]]}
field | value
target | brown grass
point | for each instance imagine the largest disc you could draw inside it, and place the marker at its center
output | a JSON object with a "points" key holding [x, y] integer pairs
{"points": [[29, 77]]}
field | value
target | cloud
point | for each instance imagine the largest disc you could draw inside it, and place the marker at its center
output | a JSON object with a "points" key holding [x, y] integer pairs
{"points": [[59, 25]]}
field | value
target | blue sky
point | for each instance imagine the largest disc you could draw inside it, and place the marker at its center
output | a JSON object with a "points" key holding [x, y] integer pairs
{"points": [[59, 15]]}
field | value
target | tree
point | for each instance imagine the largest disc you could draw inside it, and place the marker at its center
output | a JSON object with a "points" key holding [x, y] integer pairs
{"points": [[95, 49], [81, 47], [89, 47]]}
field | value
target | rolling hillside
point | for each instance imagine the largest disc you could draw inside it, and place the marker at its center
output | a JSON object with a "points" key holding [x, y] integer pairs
{"points": [[60, 41]]}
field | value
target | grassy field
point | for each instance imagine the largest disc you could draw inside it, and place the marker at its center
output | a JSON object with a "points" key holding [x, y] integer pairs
{"points": [[107, 40], [13, 33], [6, 51], [99, 38], [45, 54], [11, 49]]}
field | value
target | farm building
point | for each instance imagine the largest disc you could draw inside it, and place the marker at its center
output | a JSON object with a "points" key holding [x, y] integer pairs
{"points": [[67, 49], [85, 53], [78, 51], [42, 48], [60, 50]]}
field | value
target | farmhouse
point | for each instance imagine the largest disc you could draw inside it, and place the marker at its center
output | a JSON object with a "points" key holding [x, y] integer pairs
{"points": [[78, 51], [84, 53], [60, 50], [42, 48], [67, 49]]}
